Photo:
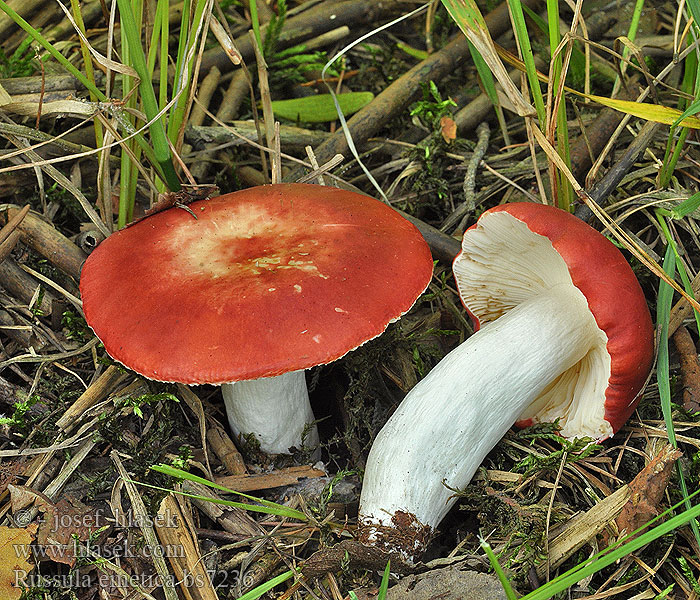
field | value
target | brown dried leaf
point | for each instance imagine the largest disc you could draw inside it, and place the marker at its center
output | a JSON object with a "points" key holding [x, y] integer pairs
{"points": [[448, 129], [15, 550], [646, 491], [22, 497], [63, 522]]}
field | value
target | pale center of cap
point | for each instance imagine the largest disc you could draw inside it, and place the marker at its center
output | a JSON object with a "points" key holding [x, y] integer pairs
{"points": [[245, 242]]}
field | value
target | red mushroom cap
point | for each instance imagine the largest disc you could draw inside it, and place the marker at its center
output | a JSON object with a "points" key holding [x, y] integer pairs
{"points": [[599, 270], [267, 280]]}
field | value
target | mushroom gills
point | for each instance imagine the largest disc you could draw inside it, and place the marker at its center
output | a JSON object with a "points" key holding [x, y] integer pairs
{"points": [[275, 409], [450, 420], [502, 264]]}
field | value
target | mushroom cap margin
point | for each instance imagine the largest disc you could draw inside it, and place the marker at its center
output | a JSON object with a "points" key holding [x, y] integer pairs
{"points": [[164, 298], [614, 296]]}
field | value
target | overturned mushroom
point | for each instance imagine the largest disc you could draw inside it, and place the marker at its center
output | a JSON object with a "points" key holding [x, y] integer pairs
{"points": [[565, 334], [261, 285]]}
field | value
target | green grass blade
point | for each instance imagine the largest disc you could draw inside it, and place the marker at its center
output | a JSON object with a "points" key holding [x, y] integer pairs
{"points": [[489, 84], [163, 7], [566, 192], [267, 510], [694, 6], [185, 72], [128, 175], [469, 19], [631, 35], [126, 184], [516, 11], [414, 52], [155, 39], [384, 585], [686, 207], [486, 547], [484, 74], [663, 312], [65, 63], [255, 20], [671, 157], [161, 147], [672, 260], [181, 55], [687, 285], [263, 588], [610, 556], [692, 110], [87, 61], [282, 510], [320, 108]]}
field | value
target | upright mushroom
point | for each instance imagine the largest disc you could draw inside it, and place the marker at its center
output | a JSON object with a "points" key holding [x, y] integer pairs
{"points": [[564, 333], [261, 285]]}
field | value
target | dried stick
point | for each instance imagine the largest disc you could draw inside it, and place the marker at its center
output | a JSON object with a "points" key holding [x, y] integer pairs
{"points": [[206, 90], [265, 481], [293, 138], [173, 532], [397, 96], [690, 368], [7, 245], [20, 333], [95, 393], [149, 534], [462, 213], [592, 140], [582, 528], [23, 286], [311, 23], [225, 449], [25, 8], [13, 223], [233, 97], [45, 239], [646, 490], [232, 519]]}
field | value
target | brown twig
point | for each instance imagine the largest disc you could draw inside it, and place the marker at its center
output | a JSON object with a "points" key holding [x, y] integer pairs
{"points": [[9, 236], [690, 368], [592, 140], [104, 385], [281, 477], [225, 449], [396, 97], [45, 239], [646, 490], [23, 286], [354, 555], [311, 23]]}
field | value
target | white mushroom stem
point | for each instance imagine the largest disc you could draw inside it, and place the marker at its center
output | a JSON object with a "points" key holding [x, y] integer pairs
{"points": [[447, 424], [275, 409]]}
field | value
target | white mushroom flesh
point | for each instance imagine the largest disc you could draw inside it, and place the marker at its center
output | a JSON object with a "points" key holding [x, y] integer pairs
{"points": [[502, 264], [542, 334], [275, 409]]}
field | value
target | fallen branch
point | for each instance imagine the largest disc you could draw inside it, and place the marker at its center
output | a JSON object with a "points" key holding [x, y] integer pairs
{"points": [[281, 477], [690, 369], [646, 491], [367, 122], [45, 239]]}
